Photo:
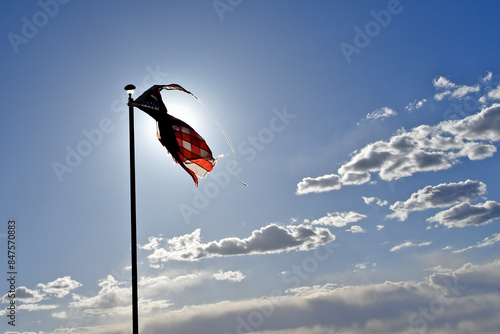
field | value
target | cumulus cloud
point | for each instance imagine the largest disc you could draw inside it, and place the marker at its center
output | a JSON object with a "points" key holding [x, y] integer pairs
{"points": [[466, 214], [154, 243], [442, 195], [111, 296], [422, 149], [484, 125], [442, 82], [319, 184], [25, 295], [361, 266], [381, 113], [355, 177], [269, 239], [232, 276], [59, 315], [427, 148], [448, 88], [409, 244], [113, 299], [380, 227], [494, 94], [374, 201], [60, 287], [356, 229], [30, 299], [339, 219], [470, 278], [488, 241]]}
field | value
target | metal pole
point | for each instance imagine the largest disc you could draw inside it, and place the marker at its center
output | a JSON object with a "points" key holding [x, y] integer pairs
{"points": [[135, 297]]}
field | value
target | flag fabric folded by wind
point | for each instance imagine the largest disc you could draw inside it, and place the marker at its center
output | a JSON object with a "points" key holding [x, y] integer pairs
{"points": [[185, 145]]}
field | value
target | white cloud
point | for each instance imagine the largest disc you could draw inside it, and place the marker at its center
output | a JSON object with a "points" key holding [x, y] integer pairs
{"points": [[339, 219], [362, 266], [494, 94], [111, 297], [470, 278], [442, 195], [409, 244], [381, 113], [232, 276], [415, 105], [154, 243], [269, 239], [152, 286], [464, 90], [466, 214], [59, 315], [374, 201], [424, 148], [452, 90], [319, 184], [354, 178], [29, 308], [27, 296], [439, 268], [451, 300], [37, 307], [356, 229], [442, 82], [146, 306], [470, 129], [114, 300], [488, 241], [380, 227], [464, 300], [484, 125], [60, 287], [488, 77]]}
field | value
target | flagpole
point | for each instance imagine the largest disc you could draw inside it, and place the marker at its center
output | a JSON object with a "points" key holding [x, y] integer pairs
{"points": [[135, 297]]}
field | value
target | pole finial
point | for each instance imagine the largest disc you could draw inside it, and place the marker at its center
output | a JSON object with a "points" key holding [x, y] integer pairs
{"points": [[130, 89]]}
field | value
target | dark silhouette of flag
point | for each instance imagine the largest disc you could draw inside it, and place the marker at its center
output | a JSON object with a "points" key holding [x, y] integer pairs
{"points": [[185, 145]]}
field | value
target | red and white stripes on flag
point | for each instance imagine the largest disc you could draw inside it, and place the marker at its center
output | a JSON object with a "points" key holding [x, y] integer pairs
{"points": [[193, 150], [185, 145]]}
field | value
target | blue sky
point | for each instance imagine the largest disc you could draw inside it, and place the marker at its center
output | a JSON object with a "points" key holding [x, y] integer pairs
{"points": [[367, 132]]}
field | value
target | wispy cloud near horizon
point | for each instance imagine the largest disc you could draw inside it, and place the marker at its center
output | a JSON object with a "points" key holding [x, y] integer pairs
{"points": [[407, 244]]}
